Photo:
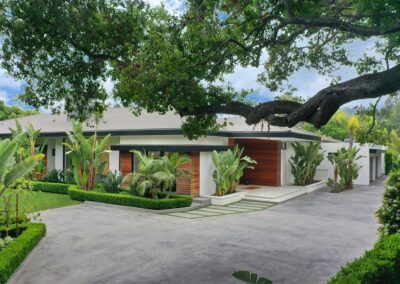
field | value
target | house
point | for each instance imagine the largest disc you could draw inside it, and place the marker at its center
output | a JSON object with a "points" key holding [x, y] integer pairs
{"points": [[372, 160], [159, 134]]}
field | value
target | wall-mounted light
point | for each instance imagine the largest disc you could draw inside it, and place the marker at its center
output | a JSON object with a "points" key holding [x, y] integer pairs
{"points": [[53, 152], [283, 145]]}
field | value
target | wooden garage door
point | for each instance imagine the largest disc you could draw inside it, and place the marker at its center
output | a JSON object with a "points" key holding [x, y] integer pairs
{"points": [[267, 153]]}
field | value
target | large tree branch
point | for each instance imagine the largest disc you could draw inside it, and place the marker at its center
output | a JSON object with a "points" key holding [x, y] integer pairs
{"points": [[318, 109]]}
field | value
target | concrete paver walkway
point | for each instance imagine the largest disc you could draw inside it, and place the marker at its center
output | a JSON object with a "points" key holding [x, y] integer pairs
{"points": [[304, 240], [212, 211]]}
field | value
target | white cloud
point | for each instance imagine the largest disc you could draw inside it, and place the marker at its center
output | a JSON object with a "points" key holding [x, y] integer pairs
{"points": [[4, 96], [7, 81]]}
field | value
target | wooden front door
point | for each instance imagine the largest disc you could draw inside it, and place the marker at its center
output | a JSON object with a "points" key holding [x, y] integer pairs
{"points": [[267, 153]]}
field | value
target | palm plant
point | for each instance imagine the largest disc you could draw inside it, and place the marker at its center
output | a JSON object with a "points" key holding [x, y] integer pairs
{"points": [[170, 168], [86, 156], [229, 168], [305, 162], [143, 181], [153, 175]]}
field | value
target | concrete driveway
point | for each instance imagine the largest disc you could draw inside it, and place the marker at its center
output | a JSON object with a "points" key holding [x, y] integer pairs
{"points": [[305, 240]]}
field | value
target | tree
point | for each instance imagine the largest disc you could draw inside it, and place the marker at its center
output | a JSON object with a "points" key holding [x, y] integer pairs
{"points": [[160, 61], [10, 112]]}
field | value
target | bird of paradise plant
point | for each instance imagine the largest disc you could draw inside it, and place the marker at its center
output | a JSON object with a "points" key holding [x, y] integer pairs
{"points": [[86, 156]]}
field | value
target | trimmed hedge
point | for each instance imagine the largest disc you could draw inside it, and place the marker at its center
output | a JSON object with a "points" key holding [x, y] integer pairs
{"points": [[12, 256], [174, 201], [377, 266], [52, 187]]}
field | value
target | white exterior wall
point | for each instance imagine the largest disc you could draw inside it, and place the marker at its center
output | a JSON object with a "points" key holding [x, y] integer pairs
{"points": [[50, 158], [207, 185], [59, 159], [286, 171], [171, 140]]}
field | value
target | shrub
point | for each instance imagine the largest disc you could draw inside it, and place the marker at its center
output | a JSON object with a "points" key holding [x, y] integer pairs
{"points": [[379, 265], [53, 176], [52, 187], [389, 213], [175, 200], [12, 256], [111, 182], [388, 163]]}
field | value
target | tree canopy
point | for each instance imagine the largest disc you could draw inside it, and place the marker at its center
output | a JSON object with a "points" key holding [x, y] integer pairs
{"points": [[161, 61], [9, 112]]}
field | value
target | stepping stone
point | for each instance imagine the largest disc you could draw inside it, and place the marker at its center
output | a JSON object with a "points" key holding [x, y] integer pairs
{"points": [[236, 209], [184, 215], [268, 204], [220, 211], [246, 207], [204, 213], [217, 207]]}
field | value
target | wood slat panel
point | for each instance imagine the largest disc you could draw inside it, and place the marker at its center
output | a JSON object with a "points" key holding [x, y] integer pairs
{"points": [[190, 186], [267, 153], [125, 162]]}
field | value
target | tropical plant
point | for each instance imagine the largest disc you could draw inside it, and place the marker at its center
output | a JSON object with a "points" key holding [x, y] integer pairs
{"points": [[111, 182], [305, 162], [229, 168], [154, 175], [143, 181], [27, 147], [86, 156], [250, 278], [10, 172], [53, 175], [170, 167], [345, 168]]}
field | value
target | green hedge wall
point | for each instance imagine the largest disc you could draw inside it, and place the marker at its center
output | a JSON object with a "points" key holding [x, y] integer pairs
{"points": [[12, 256], [174, 201], [52, 187], [377, 266]]}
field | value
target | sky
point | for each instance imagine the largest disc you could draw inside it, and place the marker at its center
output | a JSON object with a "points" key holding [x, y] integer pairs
{"points": [[307, 82]]}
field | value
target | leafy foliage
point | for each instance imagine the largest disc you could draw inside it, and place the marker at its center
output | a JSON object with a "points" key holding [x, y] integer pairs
{"points": [[388, 163], [13, 255], [379, 265], [51, 187], [389, 213], [10, 112], [229, 168], [251, 278], [10, 172], [27, 147], [111, 182], [153, 175], [174, 201], [345, 168], [305, 162], [160, 60], [86, 156], [342, 126]]}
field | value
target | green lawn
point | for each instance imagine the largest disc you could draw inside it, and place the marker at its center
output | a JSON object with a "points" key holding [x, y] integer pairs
{"points": [[33, 201]]}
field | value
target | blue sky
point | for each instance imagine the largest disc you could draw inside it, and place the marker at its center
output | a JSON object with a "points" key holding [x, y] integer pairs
{"points": [[307, 82]]}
